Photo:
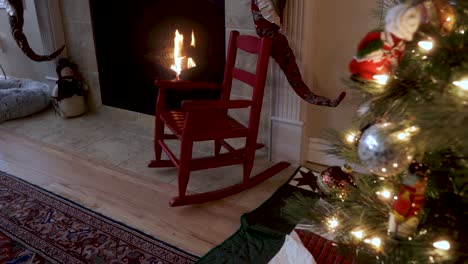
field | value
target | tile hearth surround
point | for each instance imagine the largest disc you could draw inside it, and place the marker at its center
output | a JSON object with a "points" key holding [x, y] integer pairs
{"points": [[80, 43]]}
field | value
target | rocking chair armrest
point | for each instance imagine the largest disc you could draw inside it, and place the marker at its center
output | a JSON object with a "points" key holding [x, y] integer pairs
{"points": [[193, 105], [186, 85]]}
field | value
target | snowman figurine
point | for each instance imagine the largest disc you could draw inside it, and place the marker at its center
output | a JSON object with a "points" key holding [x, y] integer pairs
{"points": [[69, 95]]}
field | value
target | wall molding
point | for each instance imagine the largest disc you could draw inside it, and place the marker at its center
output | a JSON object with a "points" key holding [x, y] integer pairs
{"points": [[49, 18], [286, 121], [286, 125]]}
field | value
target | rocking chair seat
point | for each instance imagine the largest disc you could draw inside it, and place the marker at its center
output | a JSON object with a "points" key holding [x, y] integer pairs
{"points": [[175, 121]]}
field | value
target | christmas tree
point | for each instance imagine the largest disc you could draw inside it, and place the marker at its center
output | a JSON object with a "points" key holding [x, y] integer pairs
{"points": [[411, 137]]}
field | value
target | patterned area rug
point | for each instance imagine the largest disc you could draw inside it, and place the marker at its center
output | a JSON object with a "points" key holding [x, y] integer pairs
{"points": [[39, 227]]}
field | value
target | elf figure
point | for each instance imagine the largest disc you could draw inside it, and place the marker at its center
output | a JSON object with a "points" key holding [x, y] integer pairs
{"points": [[404, 217], [380, 52], [282, 53]]}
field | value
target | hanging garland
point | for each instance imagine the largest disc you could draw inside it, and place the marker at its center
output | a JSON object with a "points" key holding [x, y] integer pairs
{"points": [[267, 15]]}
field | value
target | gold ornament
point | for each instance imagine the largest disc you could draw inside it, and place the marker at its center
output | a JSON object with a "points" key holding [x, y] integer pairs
{"points": [[441, 14]]}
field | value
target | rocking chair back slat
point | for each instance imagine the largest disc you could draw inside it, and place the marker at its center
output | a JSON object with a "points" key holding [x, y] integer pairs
{"points": [[248, 43], [244, 76]]}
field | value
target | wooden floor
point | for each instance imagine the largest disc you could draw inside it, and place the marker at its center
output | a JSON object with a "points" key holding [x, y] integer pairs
{"points": [[138, 201]]}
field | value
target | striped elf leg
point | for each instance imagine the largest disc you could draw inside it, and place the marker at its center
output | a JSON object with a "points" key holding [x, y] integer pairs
{"points": [[284, 56]]}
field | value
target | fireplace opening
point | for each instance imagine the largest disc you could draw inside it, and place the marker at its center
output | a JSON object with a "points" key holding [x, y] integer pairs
{"points": [[138, 42]]}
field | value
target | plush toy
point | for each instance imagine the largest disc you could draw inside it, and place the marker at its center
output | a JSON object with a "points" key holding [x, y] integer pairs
{"points": [[69, 95], [380, 52], [406, 209], [282, 53]]}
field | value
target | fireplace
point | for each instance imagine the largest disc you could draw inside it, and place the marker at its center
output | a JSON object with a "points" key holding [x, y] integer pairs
{"points": [[134, 43]]}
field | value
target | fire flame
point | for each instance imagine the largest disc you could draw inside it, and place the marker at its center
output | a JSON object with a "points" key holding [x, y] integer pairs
{"points": [[190, 62], [178, 65], [178, 43], [192, 43]]}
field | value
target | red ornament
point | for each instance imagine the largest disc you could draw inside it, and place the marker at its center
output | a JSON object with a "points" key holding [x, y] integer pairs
{"points": [[334, 177]]}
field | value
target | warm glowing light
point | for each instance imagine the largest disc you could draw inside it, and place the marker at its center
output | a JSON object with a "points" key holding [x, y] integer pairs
{"points": [[190, 63], [402, 136], [463, 84], [386, 194], [341, 196], [426, 45], [461, 30], [178, 58], [359, 234], [351, 137], [407, 133], [395, 197], [332, 223], [443, 244], [384, 170], [192, 43], [381, 79], [178, 44], [376, 242], [395, 165]]}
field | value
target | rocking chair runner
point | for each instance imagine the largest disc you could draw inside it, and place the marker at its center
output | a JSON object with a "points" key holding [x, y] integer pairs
{"points": [[203, 120]]}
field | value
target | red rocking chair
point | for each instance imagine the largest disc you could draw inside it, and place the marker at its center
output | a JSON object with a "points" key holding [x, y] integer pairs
{"points": [[202, 120]]}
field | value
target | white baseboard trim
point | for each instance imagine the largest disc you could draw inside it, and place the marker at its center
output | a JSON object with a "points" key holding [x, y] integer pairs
{"points": [[286, 136], [286, 121], [315, 154]]}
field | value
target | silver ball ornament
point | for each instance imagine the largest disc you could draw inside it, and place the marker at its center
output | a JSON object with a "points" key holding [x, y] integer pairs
{"points": [[383, 151]]}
